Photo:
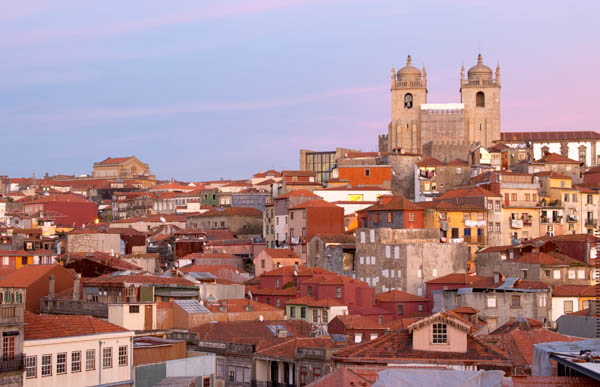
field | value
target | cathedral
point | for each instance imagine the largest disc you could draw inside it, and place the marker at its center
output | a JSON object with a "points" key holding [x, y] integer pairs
{"points": [[433, 130]]}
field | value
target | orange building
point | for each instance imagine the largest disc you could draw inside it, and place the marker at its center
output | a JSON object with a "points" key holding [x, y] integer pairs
{"points": [[366, 175]]}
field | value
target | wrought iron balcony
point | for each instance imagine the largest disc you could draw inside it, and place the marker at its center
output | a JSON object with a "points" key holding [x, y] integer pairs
{"points": [[12, 363]]}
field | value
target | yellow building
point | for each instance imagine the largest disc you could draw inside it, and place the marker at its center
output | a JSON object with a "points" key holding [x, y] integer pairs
{"points": [[559, 190], [458, 224], [122, 167]]}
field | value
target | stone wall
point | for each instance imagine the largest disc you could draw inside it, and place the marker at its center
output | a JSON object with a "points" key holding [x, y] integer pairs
{"points": [[405, 259], [403, 176], [87, 243]]}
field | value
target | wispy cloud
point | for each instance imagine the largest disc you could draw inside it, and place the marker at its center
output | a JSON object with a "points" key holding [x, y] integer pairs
{"points": [[215, 11], [103, 113]]}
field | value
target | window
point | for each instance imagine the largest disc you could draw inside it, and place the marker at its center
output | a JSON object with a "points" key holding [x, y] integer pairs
{"points": [[590, 199], [580, 274], [566, 197], [277, 283], [440, 333], [568, 306], [107, 357], [513, 196], [497, 227], [61, 363], [490, 227], [400, 309], [262, 263], [302, 312], [338, 292], [527, 197], [134, 309], [268, 300], [390, 217], [556, 274], [480, 99], [46, 365], [420, 307], [574, 198], [291, 215], [491, 301], [292, 311], [232, 375], [408, 101], [367, 172], [358, 337], [325, 316], [8, 343], [278, 302], [571, 273], [123, 355], [411, 217], [31, 367], [76, 361], [90, 359], [542, 300], [515, 302]]}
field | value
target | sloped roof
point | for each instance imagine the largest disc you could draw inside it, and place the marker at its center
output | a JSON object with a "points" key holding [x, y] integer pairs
{"points": [[399, 296], [569, 290], [396, 203], [310, 301], [297, 193], [49, 326], [552, 175], [549, 259], [114, 160], [314, 203], [27, 275], [281, 253], [555, 158], [231, 211], [546, 136], [430, 162], [122, 278]]}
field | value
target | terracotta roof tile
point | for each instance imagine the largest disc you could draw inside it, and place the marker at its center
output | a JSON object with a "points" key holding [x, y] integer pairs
{"points": [[48, 326], [554, 158], [231, 211], [310, 301], [314, 203], [26, 276], [281, 253], [122, 278], [399, 296], [546, 136]]}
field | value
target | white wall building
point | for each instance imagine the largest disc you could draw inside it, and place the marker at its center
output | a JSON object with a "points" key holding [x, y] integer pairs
{"points": [[64, 351]]}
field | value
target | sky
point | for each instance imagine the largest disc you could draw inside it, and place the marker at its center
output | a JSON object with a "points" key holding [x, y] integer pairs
{"points": [[223, 89]]}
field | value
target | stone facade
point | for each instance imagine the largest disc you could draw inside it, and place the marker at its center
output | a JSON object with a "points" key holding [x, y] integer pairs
{"points": [[331, 255], [81, 242], [403, 176], [405, 259], [498, 307], [476, 119]]}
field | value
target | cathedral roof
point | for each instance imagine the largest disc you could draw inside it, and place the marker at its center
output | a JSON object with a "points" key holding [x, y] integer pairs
{"points": [[409, 72], [480, 70]]}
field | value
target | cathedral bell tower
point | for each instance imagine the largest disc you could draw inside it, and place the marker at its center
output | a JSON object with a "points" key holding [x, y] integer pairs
{"points": [[480, 94], [409, 92]]}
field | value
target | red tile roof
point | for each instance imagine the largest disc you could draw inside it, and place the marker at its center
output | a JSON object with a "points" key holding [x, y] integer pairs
{"points": [[114, 160], [26, 276], [430, 162], [552, 175], [314, 203], [549, 136], [49, 326], [397, 347], [310, 301], [548, 259], [240, 305], [288, 348], [336, 238], [399, 296], [297, 193], [468, 192], [301, 271], [554, 158], [226, 331], [552, 381], [119, 278], [289, 292], [200, 256], [456, 278], [569, 290], [281, 253], [231, 211], [396, 203]]}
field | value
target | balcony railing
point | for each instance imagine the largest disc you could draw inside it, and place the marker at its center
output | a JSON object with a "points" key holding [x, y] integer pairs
{"points": [[475, 239], [591, 222], [12, 363], [11, 314]]}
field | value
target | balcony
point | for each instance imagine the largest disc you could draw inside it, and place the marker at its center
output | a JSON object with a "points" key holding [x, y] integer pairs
{"points": [[572, 218], [12, 363], [475, 239], [11, 314], [591, 222]]}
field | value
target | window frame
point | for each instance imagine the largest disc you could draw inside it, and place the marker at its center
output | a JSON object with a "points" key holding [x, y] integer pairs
{"points": [[49, 365], [74, 362], [107, 361], [29, 367], [439, 333], [90, 359], [123, 357]]}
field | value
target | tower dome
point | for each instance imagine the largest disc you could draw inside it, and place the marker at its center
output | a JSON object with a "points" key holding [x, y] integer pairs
{"points": [[479, 71], [409, 72]]}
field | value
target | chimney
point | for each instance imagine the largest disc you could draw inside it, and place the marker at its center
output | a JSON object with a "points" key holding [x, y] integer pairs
{"points": [[51, 287], [76, 282]]}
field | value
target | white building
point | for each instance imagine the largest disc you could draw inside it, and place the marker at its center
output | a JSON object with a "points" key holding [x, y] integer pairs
{"points": [[69, 350]]}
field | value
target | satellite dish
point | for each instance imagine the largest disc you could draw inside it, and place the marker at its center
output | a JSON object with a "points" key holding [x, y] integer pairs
{"points": [[261, 318], [163, 220]]}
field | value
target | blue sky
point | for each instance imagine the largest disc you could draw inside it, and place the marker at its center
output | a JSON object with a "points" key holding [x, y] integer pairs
{"points": [[202, 90]]}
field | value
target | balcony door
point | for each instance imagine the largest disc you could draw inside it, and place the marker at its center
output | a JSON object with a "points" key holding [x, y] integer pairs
{"points": [[8, 347]]}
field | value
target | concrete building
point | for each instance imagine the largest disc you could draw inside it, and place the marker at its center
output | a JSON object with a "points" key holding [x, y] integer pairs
{"points": [[76, 351], [89, 241], [270, 259], [333, 252], [500, 299], [415, 123], [278, 222], [404, 259]]}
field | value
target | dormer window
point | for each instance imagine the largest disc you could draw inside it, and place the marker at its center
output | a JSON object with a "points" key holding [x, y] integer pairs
{"points": [[440, 333]]}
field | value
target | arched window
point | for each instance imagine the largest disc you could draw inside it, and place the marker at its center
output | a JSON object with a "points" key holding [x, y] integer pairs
{"points": [[408, 101], [480, 99]]}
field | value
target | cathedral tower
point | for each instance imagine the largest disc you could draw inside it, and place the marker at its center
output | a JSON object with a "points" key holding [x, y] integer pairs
{"points": [[409, 92], [480, 94]]}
